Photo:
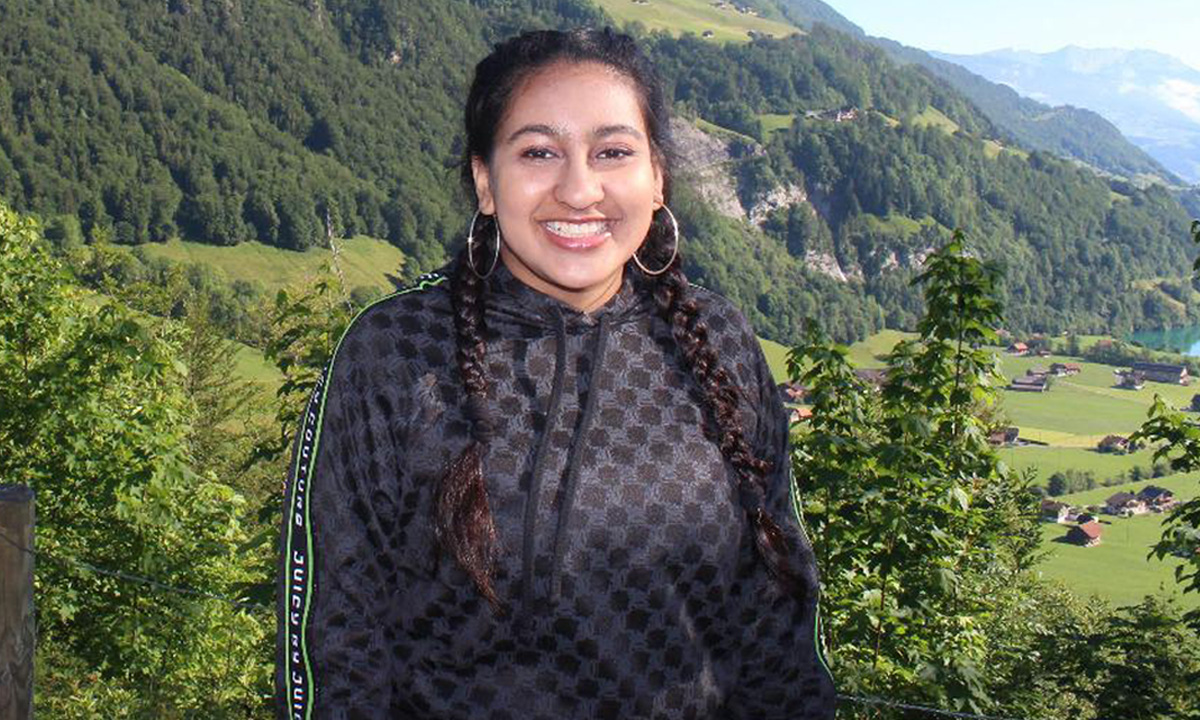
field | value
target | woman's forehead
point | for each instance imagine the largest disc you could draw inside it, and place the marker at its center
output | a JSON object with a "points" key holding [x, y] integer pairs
{"points": [[568, 100]]}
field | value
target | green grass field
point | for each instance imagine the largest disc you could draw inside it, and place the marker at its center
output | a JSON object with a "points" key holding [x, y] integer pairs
{"points": [[776, 121], [932, 116], [898, 224], [866, 353], [251, 365], [1079, 410], [869, 353], [695, 16], [723, 132], [364, 261], [776, 355], [1118, 569], [1052, 459]]}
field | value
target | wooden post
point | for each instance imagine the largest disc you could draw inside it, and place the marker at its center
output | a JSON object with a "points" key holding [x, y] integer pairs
{"points": [[16, 603]]}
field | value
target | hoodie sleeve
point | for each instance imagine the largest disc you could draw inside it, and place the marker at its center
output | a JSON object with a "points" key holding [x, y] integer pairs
{"points": [[332, 645], [784, 672]]}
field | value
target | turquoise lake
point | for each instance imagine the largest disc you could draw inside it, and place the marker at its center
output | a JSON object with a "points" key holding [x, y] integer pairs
{"points": [[1185, 339]]}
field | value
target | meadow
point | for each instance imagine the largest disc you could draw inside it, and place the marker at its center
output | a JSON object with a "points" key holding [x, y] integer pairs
{"points": [[695, 16], [363, 260], [1118, 569]]}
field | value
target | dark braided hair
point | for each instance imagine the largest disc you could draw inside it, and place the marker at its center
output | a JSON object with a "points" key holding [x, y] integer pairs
{"points": [[463, 519]]}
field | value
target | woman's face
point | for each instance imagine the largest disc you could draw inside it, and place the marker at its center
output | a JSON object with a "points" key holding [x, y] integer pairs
{"points": [[571, 182]]}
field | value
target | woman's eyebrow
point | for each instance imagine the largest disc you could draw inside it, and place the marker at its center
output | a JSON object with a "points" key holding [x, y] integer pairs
{"points": [[601, 132], [606, 130], [536, 129]]}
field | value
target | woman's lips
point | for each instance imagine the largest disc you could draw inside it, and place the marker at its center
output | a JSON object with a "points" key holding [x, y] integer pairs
{"points": [[577, 235]]}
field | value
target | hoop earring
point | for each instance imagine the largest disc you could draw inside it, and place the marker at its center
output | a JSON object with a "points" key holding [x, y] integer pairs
{"points": [[674, 248], [471, 249]]}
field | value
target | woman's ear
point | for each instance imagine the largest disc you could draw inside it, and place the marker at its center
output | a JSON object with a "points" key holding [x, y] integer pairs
{"points": [[483, 186]]}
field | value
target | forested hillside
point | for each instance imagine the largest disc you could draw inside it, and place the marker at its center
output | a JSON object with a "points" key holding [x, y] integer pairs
{"points": [[223, 121], [887, 186]]}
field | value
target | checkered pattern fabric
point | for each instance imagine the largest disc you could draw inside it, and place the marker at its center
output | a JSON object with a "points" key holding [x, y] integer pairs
{"points": [[646, 598]]}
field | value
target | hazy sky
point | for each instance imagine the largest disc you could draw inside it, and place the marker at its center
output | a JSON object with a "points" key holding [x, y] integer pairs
{"points": [[974, 26]]}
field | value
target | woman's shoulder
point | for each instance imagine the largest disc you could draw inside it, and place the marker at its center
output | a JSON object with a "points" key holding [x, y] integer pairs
{"points": [[728, 327], [413, 323]]}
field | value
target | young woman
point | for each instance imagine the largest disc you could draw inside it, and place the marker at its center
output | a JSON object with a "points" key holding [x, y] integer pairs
{"points": [[552, 480]]}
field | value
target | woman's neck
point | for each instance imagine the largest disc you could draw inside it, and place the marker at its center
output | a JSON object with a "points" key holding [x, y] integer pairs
{"points": [[584, 300]]}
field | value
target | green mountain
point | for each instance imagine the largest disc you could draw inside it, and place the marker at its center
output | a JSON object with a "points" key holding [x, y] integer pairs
{"points": [[284, 121]]}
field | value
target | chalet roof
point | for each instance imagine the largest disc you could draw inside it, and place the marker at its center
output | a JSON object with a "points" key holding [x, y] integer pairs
{"points": [[802, 413], [1159, 368], [1031, 380], [1090, 528], [1154, 491], [1053, 505], [1003, 435], [1121, 498], [791, 392]]}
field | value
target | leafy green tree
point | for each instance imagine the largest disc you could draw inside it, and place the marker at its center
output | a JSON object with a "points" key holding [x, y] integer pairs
{"points": [[1149, 663], [93, 417], [911, 510]]}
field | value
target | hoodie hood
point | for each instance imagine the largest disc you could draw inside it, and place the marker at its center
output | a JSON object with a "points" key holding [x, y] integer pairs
{"points": [[515, 310]]}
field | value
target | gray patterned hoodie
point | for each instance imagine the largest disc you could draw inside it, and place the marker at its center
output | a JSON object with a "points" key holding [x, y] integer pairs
{"points": [[628, 568]]}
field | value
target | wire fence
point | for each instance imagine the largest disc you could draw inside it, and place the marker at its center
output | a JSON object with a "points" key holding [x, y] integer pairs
{"points": [[259, 607], [134, 578]]}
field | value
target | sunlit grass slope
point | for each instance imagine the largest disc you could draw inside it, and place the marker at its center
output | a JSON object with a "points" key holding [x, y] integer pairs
{"points": [[1118, 569], [695, 16], [363, 260]]}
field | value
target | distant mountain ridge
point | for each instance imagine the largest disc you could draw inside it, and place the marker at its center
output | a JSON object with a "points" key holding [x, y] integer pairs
{"points": [[1153, 98], [1065, 131]]}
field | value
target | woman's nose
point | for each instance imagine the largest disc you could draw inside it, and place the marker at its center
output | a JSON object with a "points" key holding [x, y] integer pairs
{"points": [[579, 186]]}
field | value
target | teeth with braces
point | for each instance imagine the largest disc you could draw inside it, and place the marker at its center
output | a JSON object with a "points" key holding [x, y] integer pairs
{"points": [[577, 229]]}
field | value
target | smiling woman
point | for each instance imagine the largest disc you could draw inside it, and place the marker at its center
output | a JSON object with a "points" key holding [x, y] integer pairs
{"points": [[573, 182], [553, 479]]}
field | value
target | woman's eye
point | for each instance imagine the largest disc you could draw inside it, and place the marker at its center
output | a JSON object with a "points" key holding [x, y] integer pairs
{"points": [[537, 154], [615, 153]]}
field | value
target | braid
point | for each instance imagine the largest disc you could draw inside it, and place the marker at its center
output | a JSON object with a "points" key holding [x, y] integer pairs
{"points": [[463, 520], [679, 309]]}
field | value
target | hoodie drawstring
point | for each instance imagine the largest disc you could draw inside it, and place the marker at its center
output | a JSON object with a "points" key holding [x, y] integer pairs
{"points": [[539, 462], [574, 457]]}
